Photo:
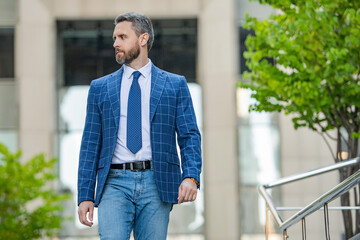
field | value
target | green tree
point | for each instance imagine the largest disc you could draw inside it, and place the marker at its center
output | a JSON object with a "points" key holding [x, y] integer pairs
{"points": [[315, 45], [29, 208]]}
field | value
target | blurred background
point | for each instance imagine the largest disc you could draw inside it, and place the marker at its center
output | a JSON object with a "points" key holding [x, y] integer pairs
{"points": [[50, 50]]}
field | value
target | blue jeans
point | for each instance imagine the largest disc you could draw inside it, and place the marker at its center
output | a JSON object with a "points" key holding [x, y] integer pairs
{"points": [[130, 201]]}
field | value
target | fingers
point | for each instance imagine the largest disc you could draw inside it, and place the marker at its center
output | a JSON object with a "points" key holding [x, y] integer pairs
{"points": [[85, 208], [187, 191], [193, 197], [83, 219], [187, 195]]}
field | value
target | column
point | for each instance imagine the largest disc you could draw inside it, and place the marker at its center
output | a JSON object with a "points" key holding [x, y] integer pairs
{"points": [[218, 70], [35, 64]]}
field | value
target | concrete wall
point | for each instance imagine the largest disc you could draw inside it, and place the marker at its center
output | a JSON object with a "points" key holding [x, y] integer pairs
{"points": [[303, 150], [35, 54], [34, 95]]}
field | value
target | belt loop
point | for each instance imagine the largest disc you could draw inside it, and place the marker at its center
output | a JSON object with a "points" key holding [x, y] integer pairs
{"points": [[131, 166], [143, 163]]}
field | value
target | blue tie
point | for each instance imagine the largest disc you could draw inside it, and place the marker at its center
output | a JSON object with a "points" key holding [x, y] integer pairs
{"points": [[134, 139]]}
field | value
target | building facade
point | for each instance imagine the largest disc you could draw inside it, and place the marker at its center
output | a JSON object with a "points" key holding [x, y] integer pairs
{"points": [[52, 49]]}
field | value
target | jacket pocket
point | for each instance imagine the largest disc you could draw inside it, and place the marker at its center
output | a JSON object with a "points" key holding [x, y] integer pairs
{"points": [[173, 159]]}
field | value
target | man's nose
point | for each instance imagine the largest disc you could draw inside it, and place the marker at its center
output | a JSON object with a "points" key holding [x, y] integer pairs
{"points": [[116, 44]]}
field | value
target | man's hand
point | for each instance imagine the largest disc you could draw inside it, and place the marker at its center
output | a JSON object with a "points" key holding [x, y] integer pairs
{"points": [[187, 191], [84, 208]]}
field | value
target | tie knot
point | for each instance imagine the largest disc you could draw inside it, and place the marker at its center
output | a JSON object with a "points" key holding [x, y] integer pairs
{"points": [[136, 75]]}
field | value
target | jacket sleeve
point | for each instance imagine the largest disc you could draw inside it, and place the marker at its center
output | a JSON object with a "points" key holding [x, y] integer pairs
{"points": [[188, 134], [90, 147]]}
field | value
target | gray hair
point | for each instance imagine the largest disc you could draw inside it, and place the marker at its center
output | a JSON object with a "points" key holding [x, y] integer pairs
{"points": [[140, 23]]}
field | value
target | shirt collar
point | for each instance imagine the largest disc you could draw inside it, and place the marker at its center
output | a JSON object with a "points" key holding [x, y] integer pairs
{"points": [[145, 70]]}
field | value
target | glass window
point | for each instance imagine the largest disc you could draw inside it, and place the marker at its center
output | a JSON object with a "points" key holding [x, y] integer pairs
{"points": [[8, 115], [9, 138], [188, 218], [7, 53], [88, 51], [259, 162], [72, 113], [175, 46], [8, 105], [243, 33]]}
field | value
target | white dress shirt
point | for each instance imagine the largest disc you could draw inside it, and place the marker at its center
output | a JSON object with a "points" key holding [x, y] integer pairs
{"points": [[122, 154]]}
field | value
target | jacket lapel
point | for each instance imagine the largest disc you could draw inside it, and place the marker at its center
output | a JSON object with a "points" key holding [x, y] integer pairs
{"points": [[158, 80], [113, 86]]}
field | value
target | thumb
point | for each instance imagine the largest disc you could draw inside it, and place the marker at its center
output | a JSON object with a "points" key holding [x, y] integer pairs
{"points": [[180, 197], [180, 189]]}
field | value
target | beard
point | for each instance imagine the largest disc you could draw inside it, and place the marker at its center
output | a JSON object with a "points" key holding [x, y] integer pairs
{"points": [[129, 56]]}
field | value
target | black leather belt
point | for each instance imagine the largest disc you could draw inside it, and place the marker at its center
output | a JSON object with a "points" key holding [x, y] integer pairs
{"points": [[133, 166]]}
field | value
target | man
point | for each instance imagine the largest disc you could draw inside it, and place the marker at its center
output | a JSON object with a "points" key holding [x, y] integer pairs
{"points": [[129, 142]]}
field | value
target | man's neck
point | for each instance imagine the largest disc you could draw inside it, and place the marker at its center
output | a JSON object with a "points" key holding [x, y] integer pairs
{"points": [[139, 62]]}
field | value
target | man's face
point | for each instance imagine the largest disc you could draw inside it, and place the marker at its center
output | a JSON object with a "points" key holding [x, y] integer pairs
{"points": [[126, 43]]}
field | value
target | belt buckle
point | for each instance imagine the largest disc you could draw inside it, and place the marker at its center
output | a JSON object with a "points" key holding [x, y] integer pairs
{"points": [[140, 166]]}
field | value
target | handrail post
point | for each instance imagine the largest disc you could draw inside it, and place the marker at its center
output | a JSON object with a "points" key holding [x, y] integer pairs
{"points": [[303, 229], [326, 218], [285, 236], [267, 220]]}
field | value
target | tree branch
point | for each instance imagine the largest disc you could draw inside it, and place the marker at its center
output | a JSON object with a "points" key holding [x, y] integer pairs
{"points": [[331, 137], [327, 144]]}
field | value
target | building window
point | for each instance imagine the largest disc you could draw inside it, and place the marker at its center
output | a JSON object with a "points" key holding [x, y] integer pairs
{"points": [[243, 33], [9, 116], [7, 53], [175, 46], [259, 161], [88, 53], [259, 153]]}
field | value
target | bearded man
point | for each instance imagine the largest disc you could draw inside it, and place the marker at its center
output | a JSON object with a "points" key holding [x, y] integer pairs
{"points": [[128, 149]]}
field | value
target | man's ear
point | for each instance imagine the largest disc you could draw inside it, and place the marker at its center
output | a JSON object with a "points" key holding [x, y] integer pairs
{"points": [[144, 38]]}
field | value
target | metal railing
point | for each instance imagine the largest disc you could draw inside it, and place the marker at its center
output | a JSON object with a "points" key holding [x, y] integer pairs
{"points": [[319, 203]]}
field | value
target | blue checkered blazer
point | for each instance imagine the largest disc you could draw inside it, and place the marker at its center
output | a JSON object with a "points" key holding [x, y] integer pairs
{"points": [[171, 114]]}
